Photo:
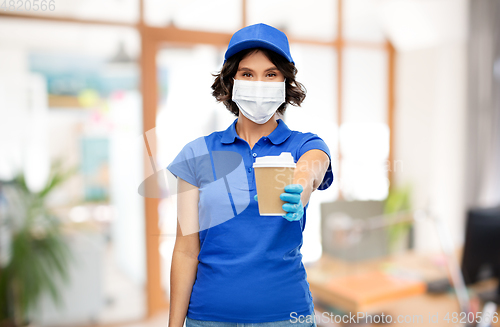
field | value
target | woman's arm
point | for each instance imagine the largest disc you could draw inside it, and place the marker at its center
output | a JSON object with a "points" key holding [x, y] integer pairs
{"points": [[185, 256], [309, 172]]}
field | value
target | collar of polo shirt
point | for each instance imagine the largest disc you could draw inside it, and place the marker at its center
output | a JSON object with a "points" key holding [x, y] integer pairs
{"points": [[279, 135]]}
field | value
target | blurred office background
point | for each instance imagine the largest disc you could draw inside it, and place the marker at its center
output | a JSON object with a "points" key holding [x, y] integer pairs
{"points": [[405, 93]]}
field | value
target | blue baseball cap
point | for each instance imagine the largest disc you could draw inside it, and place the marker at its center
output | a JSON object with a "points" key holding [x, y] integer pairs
{"points": [[259, 36]]}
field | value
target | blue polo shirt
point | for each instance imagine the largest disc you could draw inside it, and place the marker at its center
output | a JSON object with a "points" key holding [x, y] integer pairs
{"points": [[250, 267]]}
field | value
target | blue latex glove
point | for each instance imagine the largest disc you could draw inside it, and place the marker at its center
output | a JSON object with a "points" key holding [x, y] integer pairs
{"points": [[293, 207]]}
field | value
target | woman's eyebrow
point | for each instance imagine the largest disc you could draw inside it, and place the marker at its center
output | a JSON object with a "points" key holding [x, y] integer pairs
{"points": [[246, 68]]}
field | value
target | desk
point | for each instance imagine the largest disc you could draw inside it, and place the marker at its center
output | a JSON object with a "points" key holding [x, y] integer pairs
{"points": [[413, 308]]}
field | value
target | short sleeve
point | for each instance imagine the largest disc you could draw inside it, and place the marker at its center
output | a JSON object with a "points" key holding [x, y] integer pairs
{"points": [[184, 164], [312, 141]]}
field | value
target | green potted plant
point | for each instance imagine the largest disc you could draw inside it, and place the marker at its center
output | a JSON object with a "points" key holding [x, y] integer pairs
{"points": [[38, 252], [396, 205]]}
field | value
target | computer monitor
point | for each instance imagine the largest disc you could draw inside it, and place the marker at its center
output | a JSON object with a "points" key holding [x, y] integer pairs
{"points": [[481, 255]]}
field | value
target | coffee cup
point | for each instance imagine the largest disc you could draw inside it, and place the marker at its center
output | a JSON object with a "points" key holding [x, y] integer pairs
{"points": [[272, 174]]}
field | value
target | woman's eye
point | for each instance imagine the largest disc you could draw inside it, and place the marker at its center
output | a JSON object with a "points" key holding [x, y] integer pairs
{"points": [[247, 74], [272, 74]]}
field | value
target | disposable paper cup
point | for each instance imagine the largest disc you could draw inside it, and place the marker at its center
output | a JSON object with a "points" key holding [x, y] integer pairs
{"points": [[272, 174]]}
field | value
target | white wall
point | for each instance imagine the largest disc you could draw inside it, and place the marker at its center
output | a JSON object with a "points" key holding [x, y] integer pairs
{"points": [[430, 120]]}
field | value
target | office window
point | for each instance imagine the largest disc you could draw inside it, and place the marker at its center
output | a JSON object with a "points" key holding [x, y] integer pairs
{"points": [[313, 19], [201, 15], [361, 21], [364, 133]]}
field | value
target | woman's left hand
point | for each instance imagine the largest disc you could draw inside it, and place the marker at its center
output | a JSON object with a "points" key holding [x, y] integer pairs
{"points": [[293, 207]]}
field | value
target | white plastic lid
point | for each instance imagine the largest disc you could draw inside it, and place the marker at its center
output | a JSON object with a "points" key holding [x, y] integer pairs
{"points": [[285, 159]]}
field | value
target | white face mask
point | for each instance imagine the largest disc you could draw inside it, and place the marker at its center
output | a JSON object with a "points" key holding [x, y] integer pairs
{"points": [[258, 100]]}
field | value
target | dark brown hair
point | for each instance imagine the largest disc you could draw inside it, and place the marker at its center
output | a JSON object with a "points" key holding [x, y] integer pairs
{"points": [[223, 84]]}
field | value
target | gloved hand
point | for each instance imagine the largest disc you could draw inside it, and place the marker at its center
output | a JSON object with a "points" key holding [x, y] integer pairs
{"points": [[294, 207]]}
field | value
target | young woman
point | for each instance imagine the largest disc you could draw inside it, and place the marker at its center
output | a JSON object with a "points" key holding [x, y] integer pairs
{"points": [[231, 265]]}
